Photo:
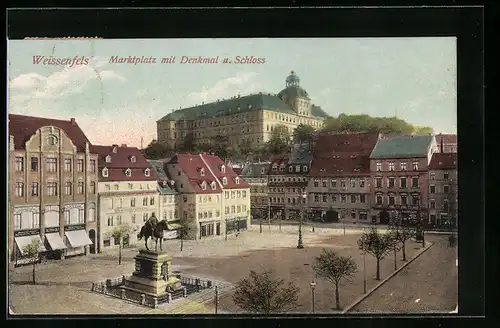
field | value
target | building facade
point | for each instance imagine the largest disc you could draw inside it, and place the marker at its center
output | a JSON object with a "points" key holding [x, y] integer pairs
{"points": [[128, 194], [447, 143], [256, 175], [339, 186], [53, 187], [399, 167], [214, 200], [443, 190], [242, 118]]}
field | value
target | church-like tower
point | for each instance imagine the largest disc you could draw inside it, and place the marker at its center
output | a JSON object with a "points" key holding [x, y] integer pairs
{"points": [[295, 96]]}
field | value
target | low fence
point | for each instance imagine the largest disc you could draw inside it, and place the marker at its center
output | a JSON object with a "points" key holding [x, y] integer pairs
{"points": [[116, 288]]}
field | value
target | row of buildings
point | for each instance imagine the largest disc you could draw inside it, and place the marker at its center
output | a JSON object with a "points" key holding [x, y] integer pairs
{"points": [[71, 195], [360, 178]]}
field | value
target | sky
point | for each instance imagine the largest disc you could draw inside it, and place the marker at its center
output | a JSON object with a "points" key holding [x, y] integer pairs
{"points": [[119, 103]]}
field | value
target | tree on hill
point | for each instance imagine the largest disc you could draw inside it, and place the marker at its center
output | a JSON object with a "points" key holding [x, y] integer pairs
{"points": [[365, 123], [279, 141], [156, 150], [221, 146], [188, 144], [203, 146], [303, 133]]}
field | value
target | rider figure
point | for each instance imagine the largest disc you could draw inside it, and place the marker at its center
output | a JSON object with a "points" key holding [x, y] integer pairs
{"points": [[153, 221]]}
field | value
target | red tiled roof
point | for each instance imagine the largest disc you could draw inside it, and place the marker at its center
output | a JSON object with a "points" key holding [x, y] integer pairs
{"points": [[191, 165], [443, 161], [120, 161], [215, 163], [278, 160], [446, 138], [345, 165], [360, 143], [22, 127]]}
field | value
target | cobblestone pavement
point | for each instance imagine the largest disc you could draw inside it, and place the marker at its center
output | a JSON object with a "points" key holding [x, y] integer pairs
{"points": [[428, 284], [63, 287]]}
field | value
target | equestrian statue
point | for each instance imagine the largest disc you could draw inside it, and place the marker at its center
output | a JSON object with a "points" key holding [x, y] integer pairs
{"points": [[153, 229]]}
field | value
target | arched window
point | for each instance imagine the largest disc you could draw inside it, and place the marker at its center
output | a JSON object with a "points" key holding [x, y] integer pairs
{"points": [[105, 172]]}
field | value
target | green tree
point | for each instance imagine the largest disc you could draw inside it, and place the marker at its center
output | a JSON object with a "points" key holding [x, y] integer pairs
{"points": [[203, 146], [365, 123], [303, 133], [424, 130], [377, 245], [156, 150], [279, 142], [246, 148], [120, 232], [32, 251], [336, 269], [188, 144], [221, 146], [265, 295]]}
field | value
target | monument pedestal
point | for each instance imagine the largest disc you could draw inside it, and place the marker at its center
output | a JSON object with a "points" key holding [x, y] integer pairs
{"points": [[152, 274]]}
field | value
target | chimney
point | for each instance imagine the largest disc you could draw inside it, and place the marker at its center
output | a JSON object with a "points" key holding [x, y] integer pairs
{"points": [[442, 144], [124, 146], [72, 120]]}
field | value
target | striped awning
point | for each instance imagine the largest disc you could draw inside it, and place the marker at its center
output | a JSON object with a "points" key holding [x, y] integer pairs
{"points": [[78, 238], [55, 241]]}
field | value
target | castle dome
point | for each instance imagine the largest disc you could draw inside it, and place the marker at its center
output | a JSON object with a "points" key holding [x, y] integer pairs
{"points": [[292, 87]]}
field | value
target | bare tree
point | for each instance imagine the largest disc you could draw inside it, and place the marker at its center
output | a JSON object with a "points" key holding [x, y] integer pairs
{"points": [[32, 252], [377, 245], [337, 269], [183, 230], [260, 293], [120, 232], [401, 234]]}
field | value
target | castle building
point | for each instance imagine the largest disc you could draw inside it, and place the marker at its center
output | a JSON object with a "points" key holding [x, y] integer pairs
{"points": [[52, 189], [128, 194], [249, 118]]}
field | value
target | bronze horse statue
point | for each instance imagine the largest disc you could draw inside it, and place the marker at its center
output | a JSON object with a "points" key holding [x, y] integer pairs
{"points": [[152, 229]]}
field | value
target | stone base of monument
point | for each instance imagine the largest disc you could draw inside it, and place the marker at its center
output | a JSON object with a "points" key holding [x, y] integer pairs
{"points": [[152, 275]]}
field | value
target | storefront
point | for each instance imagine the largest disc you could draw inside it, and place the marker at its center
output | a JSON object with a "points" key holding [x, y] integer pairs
{"points": [[207, 229], [76, 241], [55, 244], [23, 239], [236, 224], [173, 231]]}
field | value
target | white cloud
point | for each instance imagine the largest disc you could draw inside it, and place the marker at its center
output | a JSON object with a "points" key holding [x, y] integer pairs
{"points": [[225, 88]]}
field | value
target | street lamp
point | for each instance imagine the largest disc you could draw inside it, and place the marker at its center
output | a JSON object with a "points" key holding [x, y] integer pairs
{"points": [[313, 286], [364, 269], [300, 245]]}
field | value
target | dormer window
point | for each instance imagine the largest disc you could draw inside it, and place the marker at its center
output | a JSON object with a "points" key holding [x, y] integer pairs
{"points": [[223, 169], [224, 181], [214, 186], [275, 167], [305, 168], [202, 172], [147, 172], [132, 159], [105, 172], [108, 159], [128, 172], [290, 169], [115, 149], [203, 185], [237, 180]]}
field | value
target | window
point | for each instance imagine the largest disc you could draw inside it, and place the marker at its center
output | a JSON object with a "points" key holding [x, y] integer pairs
{"points": [[203, 185], [432, 176], [224, 181], [353, 183], [107, 187], [92, 165], [403, 166], [233, 209], [34, 189], [391, 166], [79, 165], [378, 182], [342, 183], [391, 182], [325, 198], [446, 175], [379, 199], [297, 168], [414, 182], [362, 198], [446, 205], [67, 165], [110, 221], [334, 198], [353, 215], [202, 172], [92, 187], [81, 187], [391, 200], [19, 189], [342, 198], [415, 200], [361, 183], [323, 183], [106, 243], [152, 201], [105, 172], [52, 188], [132, 159], [223, 169], [237, 180], [132, 202], [290, 169], [316, 183], [51, 140], [128, 172], [145, 217], [415, 165], [432, 204], [147, 172], [51, 164], [446, 189], [68, 187], [145, 201], [19, 164], [353, 199], [34, 164], [305, 168], [316, 198], [404, 200], [117, 186], [432, 189], [81, 216], [118, 220], [379, 166], [108, 159], [91, 217], [17, 221], [214, 186], [402, 183], [244, 194]]}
